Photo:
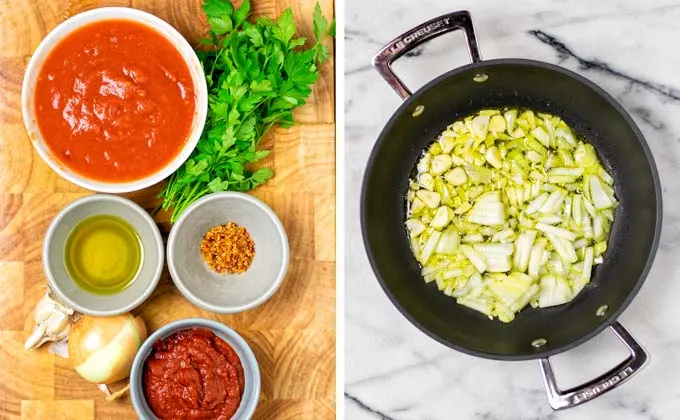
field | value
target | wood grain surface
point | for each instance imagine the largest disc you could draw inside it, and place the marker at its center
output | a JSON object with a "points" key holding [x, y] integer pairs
{"points": [[292, 335]]}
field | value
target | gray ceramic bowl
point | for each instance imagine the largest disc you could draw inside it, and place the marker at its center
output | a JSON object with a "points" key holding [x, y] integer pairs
{"points": [[225, 293], [54, 262], [251, 370]]}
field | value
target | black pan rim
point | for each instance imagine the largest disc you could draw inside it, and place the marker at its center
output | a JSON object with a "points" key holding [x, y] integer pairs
{"points": [[657, 192]]}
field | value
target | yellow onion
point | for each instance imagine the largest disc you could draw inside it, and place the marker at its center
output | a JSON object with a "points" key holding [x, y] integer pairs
{"points": [[102, 348]]}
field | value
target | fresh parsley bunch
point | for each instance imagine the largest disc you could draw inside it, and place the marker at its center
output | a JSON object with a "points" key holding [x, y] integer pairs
{"points": [[257, 73]]}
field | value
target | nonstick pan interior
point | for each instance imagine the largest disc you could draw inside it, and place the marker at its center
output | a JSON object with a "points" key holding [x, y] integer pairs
{"points": [[591, 113]]}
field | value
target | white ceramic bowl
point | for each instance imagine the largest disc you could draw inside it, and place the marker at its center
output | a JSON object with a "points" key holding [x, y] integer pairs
{"points": [[96, 15], [54, 263], [251, 370], [228, 293]]}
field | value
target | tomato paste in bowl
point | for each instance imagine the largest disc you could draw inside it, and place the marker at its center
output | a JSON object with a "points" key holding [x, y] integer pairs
{"points": [[195, 368], [114, 99], [193, 372]]}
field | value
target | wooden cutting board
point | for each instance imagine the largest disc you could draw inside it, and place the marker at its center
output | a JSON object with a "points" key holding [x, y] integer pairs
{"points": [[292, 335]]}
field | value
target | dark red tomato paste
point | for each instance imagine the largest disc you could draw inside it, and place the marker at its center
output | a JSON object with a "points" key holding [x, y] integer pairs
{"points": [[193, 374], [114, 101]]}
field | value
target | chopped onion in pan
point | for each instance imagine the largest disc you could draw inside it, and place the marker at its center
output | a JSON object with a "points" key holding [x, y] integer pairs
{"points": [[508, 209]]}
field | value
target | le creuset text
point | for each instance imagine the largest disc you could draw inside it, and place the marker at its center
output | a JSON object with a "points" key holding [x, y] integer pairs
{"points": [[401, 44], [601, 387]]}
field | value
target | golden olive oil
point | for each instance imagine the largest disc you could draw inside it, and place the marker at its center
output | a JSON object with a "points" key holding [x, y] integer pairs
{"points": [[103, 254]]}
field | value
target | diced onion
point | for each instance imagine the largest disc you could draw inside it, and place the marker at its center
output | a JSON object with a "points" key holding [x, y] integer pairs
{"points": [[508, 209], [456, 176], [555, 290], [475, 257]]}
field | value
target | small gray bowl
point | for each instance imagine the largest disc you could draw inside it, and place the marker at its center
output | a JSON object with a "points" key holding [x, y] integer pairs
{"points": [[228, 293], [251, 370], [54, 263]]}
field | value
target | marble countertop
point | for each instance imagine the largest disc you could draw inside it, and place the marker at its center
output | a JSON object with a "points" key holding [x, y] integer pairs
{"points": [[393, 371]]}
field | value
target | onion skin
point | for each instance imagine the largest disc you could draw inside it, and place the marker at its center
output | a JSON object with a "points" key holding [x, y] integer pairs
{"points": [[102, 348]]}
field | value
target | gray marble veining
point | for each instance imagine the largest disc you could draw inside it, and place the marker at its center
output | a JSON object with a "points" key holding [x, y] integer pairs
{"points": [[629, 49]]}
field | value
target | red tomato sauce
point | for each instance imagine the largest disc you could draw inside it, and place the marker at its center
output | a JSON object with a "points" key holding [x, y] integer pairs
{"points": [[114, 101], [193, 374]]}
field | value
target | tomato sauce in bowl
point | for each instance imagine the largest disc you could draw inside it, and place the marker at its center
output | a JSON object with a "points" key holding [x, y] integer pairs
{"points": [[114, 101]]}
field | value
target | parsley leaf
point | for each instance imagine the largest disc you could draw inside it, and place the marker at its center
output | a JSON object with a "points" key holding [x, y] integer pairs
{"points": [[331, 30], [242, 13], [285, 29], [216, 9], [320, 30], [219, 14], [257, 73], [320, 22]]}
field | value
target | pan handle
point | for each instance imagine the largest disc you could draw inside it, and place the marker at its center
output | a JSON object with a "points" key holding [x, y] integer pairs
{"points": [[419, 35], [583, 393]]}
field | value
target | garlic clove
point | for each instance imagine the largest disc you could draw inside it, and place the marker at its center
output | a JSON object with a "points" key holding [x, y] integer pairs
{"points": [[56, 324], [53, 322], [37, 337], [43, 309]]}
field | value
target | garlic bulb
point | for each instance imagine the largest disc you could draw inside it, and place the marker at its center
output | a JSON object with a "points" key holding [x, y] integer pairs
{"points": [[53, 321], [102, 348]]}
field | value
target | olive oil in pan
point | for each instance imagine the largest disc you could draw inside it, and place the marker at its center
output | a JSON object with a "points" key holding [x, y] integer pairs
{"points": [[103, 254]]}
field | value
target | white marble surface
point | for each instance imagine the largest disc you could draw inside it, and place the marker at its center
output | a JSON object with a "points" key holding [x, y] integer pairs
{"points": [[629, 48]]}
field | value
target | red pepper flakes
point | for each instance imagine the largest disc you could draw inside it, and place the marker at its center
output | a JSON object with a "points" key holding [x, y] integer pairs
{"points": [[228, 248]]}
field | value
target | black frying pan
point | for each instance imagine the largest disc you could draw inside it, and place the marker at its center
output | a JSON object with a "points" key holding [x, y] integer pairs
{"points": [[535, 333]]}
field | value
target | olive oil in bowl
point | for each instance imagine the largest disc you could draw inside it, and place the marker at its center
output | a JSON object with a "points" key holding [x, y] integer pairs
{"points": [[103, 254]]}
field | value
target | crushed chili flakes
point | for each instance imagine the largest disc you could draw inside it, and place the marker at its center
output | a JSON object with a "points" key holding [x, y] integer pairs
{"points": [[228, 248]]}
